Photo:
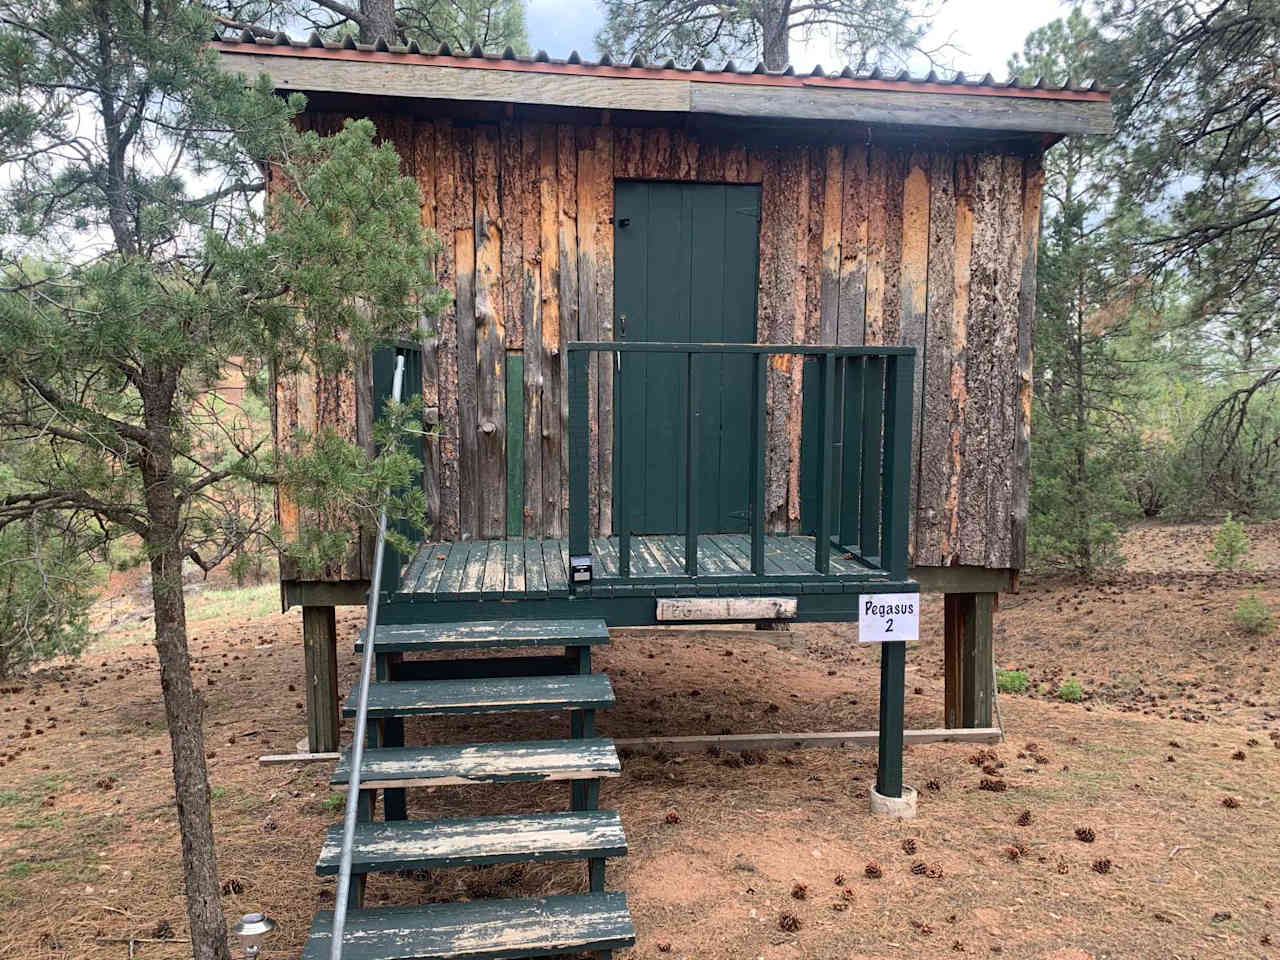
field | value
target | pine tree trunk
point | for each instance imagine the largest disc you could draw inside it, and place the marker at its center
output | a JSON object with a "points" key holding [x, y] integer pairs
{"points": [[182, 706], [379, 21], [776, 36]]}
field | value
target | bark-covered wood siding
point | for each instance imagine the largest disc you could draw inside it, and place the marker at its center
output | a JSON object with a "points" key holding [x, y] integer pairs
{"points": [[859, 244]]}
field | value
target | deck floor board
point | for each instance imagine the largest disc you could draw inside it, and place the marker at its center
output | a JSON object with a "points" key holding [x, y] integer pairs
{"points": [[534, 569]]}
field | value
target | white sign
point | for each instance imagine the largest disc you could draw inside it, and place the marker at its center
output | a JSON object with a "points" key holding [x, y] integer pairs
{"points": [[888, 617]]}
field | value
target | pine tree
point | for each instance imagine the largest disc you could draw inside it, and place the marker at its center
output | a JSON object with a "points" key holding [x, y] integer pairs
{"points": [[866, 32], [135, 268], [462, 24], [1082, 437]]}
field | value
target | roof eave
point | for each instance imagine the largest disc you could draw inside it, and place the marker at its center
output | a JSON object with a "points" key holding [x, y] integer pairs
{"points": [[664, 90]]}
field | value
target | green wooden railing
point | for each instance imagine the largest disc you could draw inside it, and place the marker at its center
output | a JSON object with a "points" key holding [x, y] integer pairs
{"points": [[862, 454]]}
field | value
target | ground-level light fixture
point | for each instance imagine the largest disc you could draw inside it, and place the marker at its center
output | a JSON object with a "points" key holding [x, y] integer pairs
{"points": [[252, 929]]}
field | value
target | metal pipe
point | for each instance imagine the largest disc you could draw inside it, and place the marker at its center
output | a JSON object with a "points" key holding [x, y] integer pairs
{"points": [[362, 720]]}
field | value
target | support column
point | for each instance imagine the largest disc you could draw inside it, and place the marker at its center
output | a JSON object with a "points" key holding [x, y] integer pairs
{"points": [[969, 665], [893, 683], [320, 646]]}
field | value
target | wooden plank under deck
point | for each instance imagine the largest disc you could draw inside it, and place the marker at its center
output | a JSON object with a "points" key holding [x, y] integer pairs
{"points": [[538, 569]]}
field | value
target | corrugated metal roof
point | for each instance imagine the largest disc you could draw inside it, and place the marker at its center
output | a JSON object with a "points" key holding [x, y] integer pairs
{"points": [[729, 72]]}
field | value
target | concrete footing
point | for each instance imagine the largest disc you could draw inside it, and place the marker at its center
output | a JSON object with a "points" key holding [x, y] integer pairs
{"points": [[901, 808]]}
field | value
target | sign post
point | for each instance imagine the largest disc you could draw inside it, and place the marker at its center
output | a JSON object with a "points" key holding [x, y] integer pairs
{"points": [[891, 620]]}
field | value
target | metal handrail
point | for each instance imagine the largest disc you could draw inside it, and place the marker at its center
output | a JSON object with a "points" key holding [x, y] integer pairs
{"points": [[362, 719]]}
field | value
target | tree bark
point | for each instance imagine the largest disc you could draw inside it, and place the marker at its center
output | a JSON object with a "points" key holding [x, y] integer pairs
{"points": [[379, 21], [775, 33], [182, 706]]}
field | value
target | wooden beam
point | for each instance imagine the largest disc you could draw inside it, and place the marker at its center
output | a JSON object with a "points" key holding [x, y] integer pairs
{"points": [[962, 579], [323, 593], [803, 741], [968, 667], [736, 742], [743, 609], [1031, 111], [320, 647]]}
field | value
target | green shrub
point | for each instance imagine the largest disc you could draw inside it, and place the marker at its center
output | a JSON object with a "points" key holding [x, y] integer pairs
{"points": [[1011, 681], [1230, 545], [45, 592], [1252, 616], [1070, 691]]}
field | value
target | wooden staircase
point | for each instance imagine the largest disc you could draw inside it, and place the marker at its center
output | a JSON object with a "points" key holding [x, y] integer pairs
{"points": [[596, 922]]}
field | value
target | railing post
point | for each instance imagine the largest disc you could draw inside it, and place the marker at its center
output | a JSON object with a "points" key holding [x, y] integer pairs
{"points": [[579, 458], [691, 471], [827, 388], [759, 443], [895, 505]]}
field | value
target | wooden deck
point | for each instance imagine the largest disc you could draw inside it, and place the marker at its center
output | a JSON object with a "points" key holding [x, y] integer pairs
{"points": [[507, 570]]}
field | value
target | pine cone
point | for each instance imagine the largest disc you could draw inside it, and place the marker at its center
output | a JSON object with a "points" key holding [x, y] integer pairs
{"points": [[1086, 834]]}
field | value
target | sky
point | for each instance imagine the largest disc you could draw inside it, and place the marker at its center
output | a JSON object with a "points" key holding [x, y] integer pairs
{"points": [[985, 32]]}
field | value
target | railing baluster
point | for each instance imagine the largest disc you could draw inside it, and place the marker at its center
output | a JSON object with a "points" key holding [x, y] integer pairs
{"points": [[894, 520], [827, 386], [851, 468], [579, 459], [759, 441], [691, 471], [872, 418]]}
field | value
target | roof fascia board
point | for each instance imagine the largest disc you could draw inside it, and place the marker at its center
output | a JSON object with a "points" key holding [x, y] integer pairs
{"points": [[393, 76]]}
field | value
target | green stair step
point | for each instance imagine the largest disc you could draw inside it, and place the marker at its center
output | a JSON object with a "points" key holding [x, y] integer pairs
{"points": [[586, 691], [480, 930], [486, 634], [529, 761], [475, 841]]}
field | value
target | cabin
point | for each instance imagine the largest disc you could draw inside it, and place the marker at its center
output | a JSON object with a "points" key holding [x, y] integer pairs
{"points": [[725, 344]]}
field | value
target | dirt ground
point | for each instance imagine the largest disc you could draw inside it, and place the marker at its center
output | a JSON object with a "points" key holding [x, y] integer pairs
{"points": [[1169, 767]]}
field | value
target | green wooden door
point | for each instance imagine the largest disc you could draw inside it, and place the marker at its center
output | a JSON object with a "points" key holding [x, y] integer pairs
{"points": [[685, 263]]}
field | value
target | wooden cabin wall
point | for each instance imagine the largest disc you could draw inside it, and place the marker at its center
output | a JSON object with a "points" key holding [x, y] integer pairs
{"points": [[859, 244]]}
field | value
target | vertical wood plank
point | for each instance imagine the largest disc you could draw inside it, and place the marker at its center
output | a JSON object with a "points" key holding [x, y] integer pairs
{"points": [[796, 250], [1004, 367], [1033, 189], [913, 287], [448, 221], [980, 339], [423, 166], [590, 173], [853, 248], [567, 241], [603, 227], [711, 162], [515, 514], [965, 172], [877, 236], [514, 196], [490, 358], [937, 408], [628, 152], [531, 307], [895, 173], [832, 223], [465, 264]]}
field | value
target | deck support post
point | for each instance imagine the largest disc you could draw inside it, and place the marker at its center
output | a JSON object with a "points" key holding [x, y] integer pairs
{"points": [[320, 648], [969, 664]]}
